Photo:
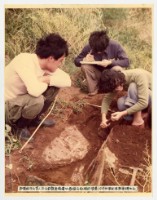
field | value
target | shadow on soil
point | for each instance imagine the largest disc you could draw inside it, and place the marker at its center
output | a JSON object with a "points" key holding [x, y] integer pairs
{"points": [[69, 163]]}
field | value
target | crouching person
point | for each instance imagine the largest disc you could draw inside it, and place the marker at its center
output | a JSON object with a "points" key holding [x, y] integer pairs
{"points": [[131, 105], [31, 83], [109, 53]]}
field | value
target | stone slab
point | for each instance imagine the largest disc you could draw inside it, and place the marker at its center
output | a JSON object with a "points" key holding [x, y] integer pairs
{"points": [[69, 147]]}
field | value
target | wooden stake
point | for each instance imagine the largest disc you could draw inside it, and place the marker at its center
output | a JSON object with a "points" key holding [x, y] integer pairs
{"points": [[98, 162], [93, 105], [38, 125]]}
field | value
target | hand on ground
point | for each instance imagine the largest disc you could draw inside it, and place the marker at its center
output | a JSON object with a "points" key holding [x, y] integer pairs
{"points": [[104, 124]]}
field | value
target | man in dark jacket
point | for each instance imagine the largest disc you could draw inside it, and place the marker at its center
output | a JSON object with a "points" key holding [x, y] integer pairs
{"points": [[107, 53]]}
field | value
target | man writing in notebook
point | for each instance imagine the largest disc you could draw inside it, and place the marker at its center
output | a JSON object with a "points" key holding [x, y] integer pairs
{"points": [[100, 48]]}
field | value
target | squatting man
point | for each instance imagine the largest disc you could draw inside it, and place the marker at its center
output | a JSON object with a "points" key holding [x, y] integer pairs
{"points": [[32, 82], [138, 95]]}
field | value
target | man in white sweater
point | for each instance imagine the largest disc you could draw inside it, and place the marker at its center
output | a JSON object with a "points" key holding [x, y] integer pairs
{"points": [[32, 82]]}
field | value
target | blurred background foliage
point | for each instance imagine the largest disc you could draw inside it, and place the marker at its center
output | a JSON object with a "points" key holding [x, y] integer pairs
{"points": [[131, 27]]}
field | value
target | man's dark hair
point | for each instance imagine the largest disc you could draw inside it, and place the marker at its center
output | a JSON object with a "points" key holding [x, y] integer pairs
{"points": [[98, 41], [52, 45], [110, 79]]}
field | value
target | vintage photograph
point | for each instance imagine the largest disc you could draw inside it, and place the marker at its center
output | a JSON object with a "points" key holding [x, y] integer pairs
{"points": [[78, 96]]}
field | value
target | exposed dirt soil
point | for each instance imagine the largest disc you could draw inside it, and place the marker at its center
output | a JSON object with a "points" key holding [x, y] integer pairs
{"points": [[87, 118]]}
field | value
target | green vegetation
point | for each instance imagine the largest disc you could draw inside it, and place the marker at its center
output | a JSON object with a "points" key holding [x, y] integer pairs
{"points": [[132, 27], [12, 142]]}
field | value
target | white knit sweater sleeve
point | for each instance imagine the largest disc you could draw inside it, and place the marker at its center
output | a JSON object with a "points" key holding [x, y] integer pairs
{"points": [[60, 79], [29, 78]]}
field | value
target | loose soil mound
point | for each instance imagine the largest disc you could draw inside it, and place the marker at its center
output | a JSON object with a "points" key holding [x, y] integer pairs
{"points": [[30, 168]]}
